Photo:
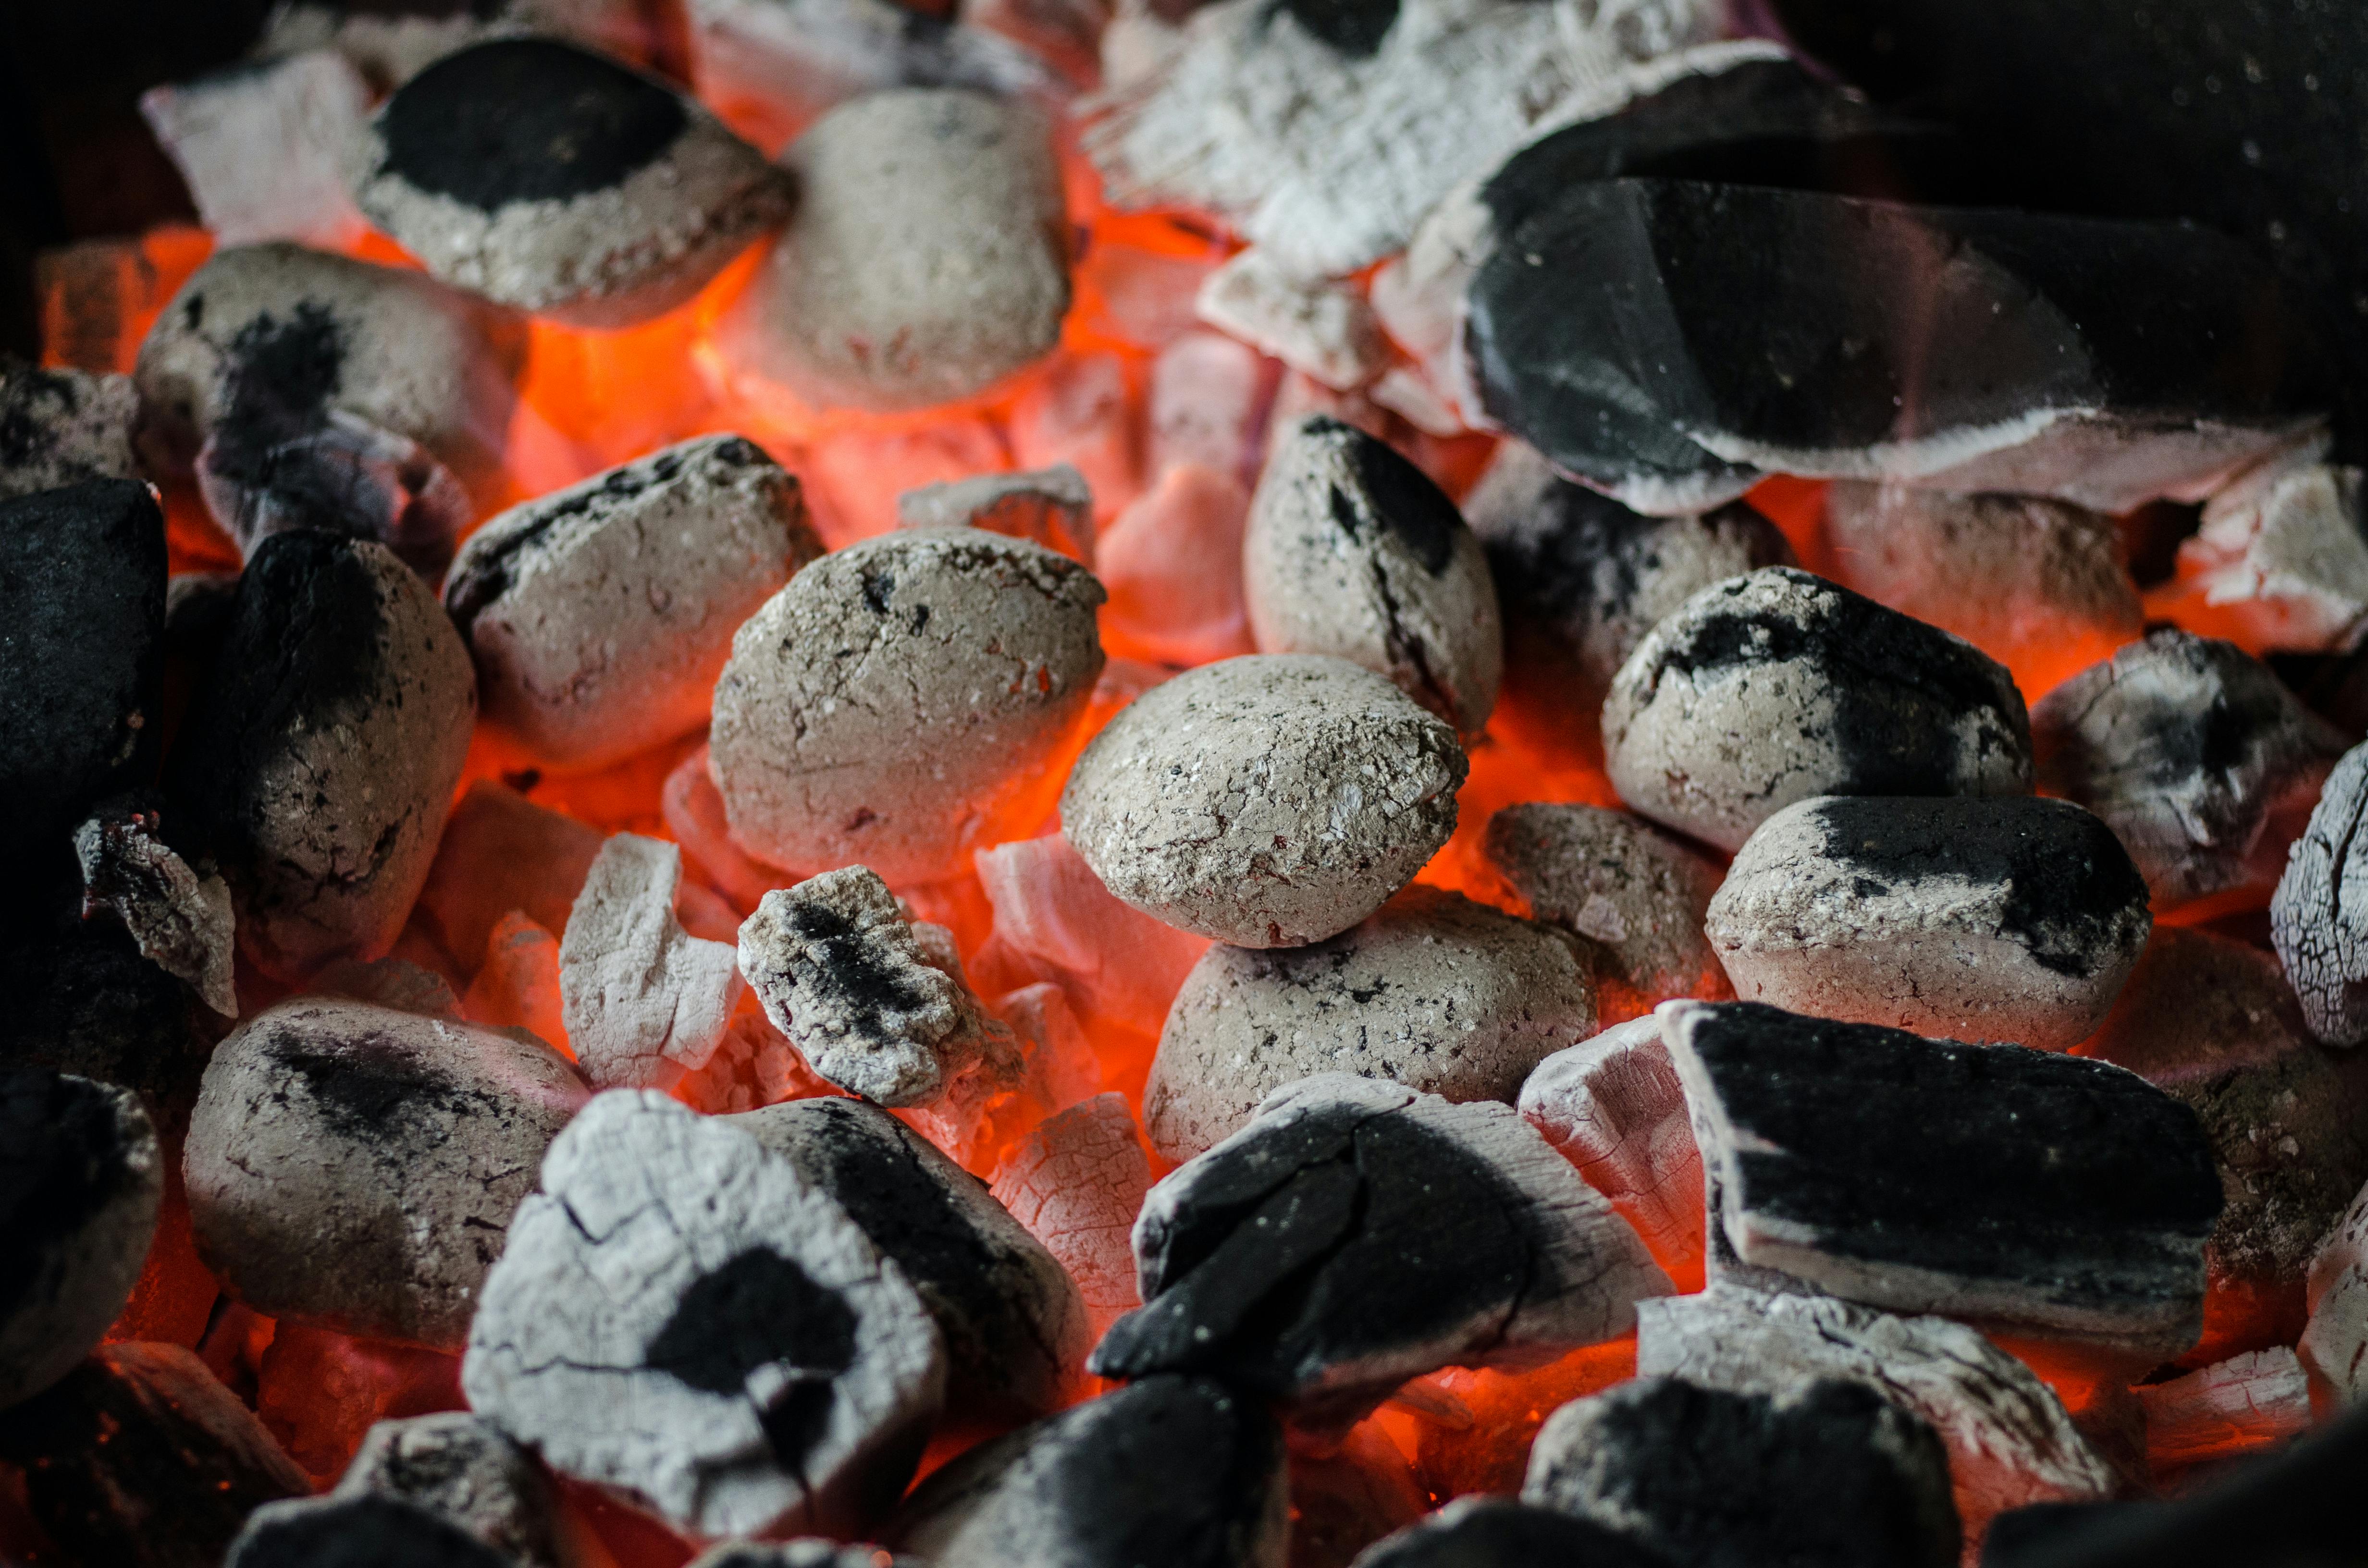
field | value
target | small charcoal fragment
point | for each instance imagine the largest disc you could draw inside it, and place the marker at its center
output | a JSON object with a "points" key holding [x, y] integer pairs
{"points": [[1633, 891], [1767, 689], [2200, 760], [319, 756], [1497, 1532], [644, 1000], [1320, 327], [2009, 919], [1825, 1474], [1014, 1326], [1053, 507], [81, 1176], [460, 1467], [1178, 1470], [1614, 1107], [560, 181], [898, 699], [63, 427], [381, 1531], [2240, 1406], [2045, 1195], [1432, 991], [1266, 801], [1354, 552], [2335, 1346], [927, 258], [181, 919], [2281, 559], [1355, 1234], [2318, 937], [1077, 1182]]}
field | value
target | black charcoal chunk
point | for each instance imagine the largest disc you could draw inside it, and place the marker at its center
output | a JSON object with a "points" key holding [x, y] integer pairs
{"points": [[140, 1458], [320, 753], [462, 1469], [1355, 1234], [2320, 941], [366, 1531], [1828, 1474], [553, 178], [1769, 689], [1497, 1532], [179, 915], [1015, 1327], [81, 1176], [2197, 756], [63, 426], [85, 1002], [2043, 1195], [1053, 506], [1670, 342], [1183, 1472]]}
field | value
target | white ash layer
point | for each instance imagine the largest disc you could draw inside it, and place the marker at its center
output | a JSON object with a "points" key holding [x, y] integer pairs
{"points": [[1636, 892], [464, 1470], [181, 919], [2282, 554], [262, 147], [65, 427], [2315, 913], [1485, 1531], [1614, 1107], [1077, 1182], [1316, 326], [1051, 507], [644, 999]]}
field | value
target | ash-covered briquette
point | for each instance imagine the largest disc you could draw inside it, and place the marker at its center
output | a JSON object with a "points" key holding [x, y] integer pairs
{"points": [[355, 1167], [1266, 802], [927, 258], [63, 427], [1825, 1474], [140, 1458], [1077, 1182], [898, 699], [377, 1531], [1769, 689], [2319, 932], [2009, 1440], [81, 1176], [1432, 991], [319, 754], [1015, 1327], [1498, 1532], [82, 593], [1581, 579], [1614, 1107], [2334, 1346], [1354, 552], [1322, 328], [2011, 919], [544, 176], [462, 1469], [180, 916], [1184, 1471], [2198, 759], [1053, 507], [678, 1314], [1670, 342], [1633, 891], [1355, 1234], [644, 999], [812, 1553], [2043, 1195]]}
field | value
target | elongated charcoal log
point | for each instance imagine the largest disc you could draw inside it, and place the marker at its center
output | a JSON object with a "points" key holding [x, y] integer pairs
{"points": [[180, 918], [644, 999], [1633, 891], [63, 427], [1053, 506], [462, 1469], [2317, 936], [1614, 1107], [1497, 1532]]}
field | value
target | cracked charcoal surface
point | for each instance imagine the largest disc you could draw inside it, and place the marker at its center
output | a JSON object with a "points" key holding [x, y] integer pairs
{"points": [[1433, 991], [1352, 551], [1015, 1327], [81, 1176], [367, 1531], [63, 427], [1355, 1234], [643, 1000], [1053, 506], [321, 749], [1498, 1532], [2028, 374], [397, 1145], [556, 179], [897, 701], [462, 1469], [1077, 1182], [1612, 1106], [2320, 940], [180, 918], [681, 1316], [1179, 1470], [2041, 1195], [2200, 760], [1634, 893], [2010, 919], [1266, 802], [927, 260], [1767, 689], [1827, 1474]]}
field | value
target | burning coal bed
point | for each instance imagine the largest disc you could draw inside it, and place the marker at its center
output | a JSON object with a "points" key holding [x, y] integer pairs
{"points": [[1319, 783]]}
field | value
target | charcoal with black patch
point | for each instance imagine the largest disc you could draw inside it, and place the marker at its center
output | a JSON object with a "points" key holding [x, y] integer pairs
{"points": [[61, 427], [462, 1469], [1498, 1532], [368, 1531]]}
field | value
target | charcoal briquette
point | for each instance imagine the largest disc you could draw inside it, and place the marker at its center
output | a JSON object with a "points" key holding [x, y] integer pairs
{"points": [[1633, 891], [366, 1531], [644, 1000], [2319, 939], [1771, 687], [63, 427], [2243, 1404], [180, 916], [1614, 1107], [1053, 507], [1498, 1532], [1077, 1182], [462, 1469]]}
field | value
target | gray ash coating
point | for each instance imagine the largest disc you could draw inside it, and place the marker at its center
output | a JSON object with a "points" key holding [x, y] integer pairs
{"points": [[846, 968], [62, 1160], [282, 377], [526, 120], [758, 1309], [1401, 495], [1497, 1532], [370, 1532]]}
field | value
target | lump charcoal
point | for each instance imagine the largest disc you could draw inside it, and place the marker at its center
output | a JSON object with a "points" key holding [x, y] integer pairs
{"points": [[2043, 1195], [1316, 326], [1266, 802], [81, 1176], [261, 146], [319, 755], [2281, 558], [1180, 1470], [2319, 942], [2334, 1346], [1342, 1502], [2246, 1403], [1355, 1234], [927, 258], [1825, 1473], [1581, 579], [1116, 963], [1432, 991], [382, 1531], [1352, 551], [1769, 689], [180, 917], [1077, 1182], [552, 178], [462, 1469], [1053, 507], [1014, 1325], [2007, 919], [2203, 765], [63, 427], [1614, 1107], [1498, 1532], [644, 999], [139, 1458], [968, 659], [1633, 891]]}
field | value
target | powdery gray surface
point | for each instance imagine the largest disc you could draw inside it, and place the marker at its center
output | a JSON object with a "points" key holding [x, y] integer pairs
{"points": [[1077, 1182], [392, 1146], [2335, 1346], [1634, 892], [1053, 506], [600, 614], [461, 1467], [63, 427], [644, 999], [895, 703], [1614, 1107], [661, 1294], [2314, 916], [1266, 802], [181, 920]]}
